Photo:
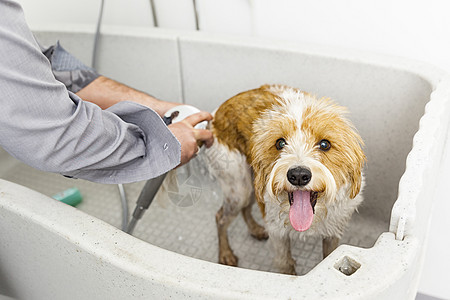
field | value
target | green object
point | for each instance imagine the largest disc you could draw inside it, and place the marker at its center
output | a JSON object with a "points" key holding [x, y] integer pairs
{"points": [[70, 196]]}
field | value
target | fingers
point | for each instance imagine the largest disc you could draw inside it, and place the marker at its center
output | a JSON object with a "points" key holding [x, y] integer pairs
{"points": [[191, 138], [198, 117], [201, 135], [204, 136]]}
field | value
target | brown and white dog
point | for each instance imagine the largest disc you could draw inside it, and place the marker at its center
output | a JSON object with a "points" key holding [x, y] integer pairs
{"points": [[298, 156]]}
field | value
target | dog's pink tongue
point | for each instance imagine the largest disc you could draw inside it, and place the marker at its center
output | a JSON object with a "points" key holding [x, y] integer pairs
{"points": [[301, 211]]}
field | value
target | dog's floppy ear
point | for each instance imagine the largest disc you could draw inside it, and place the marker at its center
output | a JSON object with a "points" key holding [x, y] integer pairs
{"points": [[356, 179], [259, 184], [356, 171]]}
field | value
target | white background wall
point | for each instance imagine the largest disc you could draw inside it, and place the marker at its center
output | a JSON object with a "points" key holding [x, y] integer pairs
{"points": [[418, 29]]}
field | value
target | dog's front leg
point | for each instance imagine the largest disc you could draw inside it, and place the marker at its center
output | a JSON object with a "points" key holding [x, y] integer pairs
{"points": [[283, 258], [329, 244]]}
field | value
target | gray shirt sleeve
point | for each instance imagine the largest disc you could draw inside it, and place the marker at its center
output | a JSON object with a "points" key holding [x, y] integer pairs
{"points": [[52, 129]]}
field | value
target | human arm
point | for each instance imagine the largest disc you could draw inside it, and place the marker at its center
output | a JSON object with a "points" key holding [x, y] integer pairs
{"points": [[106, 92], [51, 129]]}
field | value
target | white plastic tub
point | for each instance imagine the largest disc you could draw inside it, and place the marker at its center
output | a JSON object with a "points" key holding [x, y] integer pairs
{"points": [[401, 108]]}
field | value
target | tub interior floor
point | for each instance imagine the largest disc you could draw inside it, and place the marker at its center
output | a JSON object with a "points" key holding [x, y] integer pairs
{"points": [[187, 228]]}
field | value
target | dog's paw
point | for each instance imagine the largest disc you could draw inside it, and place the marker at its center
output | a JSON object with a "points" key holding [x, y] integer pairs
{"points": [[259, 233], [289, 270], [228, 258], [285, 265], [292, 271]]}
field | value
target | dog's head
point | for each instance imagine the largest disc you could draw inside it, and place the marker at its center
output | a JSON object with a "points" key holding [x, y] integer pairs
{"points": [[303, 152]]}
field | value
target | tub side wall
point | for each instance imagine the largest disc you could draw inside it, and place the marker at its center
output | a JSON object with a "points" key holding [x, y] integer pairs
{"points": [[419, 185]]}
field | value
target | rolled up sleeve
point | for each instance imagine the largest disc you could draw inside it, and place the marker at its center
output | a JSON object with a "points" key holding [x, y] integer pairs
{"points": [[52, 129]]}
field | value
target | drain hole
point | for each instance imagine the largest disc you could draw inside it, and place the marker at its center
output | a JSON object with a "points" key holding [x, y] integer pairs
{"points": [[347, 266]]}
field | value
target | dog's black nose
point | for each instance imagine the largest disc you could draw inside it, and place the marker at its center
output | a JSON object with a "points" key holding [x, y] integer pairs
{"points": [[299, 176]]}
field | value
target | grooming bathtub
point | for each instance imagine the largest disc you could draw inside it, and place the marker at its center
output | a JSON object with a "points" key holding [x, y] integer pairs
{"points": [[49, 250]]}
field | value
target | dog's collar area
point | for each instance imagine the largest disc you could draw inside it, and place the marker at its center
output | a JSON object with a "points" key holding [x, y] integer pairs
{"points": [[313, 199]]}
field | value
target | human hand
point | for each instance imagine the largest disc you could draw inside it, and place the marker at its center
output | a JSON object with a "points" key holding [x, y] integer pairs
{"points": [[191, 138]]}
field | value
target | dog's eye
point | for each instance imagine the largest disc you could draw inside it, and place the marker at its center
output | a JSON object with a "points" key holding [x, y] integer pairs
{"points": [[324, 145], [280, 143]]}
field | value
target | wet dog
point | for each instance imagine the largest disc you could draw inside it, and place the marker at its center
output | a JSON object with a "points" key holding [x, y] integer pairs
{"points": [[298, 156]]}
